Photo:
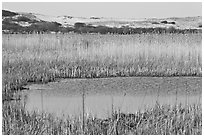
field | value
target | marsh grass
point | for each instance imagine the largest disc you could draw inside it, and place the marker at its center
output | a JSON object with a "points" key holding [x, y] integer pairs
{"points": [[45, 57], [160, 120]]}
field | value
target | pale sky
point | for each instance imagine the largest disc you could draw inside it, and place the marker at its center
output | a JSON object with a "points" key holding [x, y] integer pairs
{"points": [[117, 10]]}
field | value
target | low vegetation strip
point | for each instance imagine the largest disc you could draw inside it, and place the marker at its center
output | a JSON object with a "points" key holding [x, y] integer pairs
{"points": [[43, 58], [160, 120], [53, 27]]}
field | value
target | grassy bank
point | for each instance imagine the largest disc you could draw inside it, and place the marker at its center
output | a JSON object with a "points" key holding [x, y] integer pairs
{"points": [[160, 120], [45, 57]]}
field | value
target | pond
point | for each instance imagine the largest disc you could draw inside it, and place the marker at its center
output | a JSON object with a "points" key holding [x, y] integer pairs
{"points": [[104, 95]]}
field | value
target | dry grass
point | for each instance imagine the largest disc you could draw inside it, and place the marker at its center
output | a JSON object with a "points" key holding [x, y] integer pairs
{"points": [[160, 120], [43, 58]]}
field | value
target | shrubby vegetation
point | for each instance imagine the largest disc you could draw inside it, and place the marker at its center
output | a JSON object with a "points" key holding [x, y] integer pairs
{"points": [[129, 30], [12, 27], [166, 22], [44, 27], [47, 27], [22, 18], [36, 27]]}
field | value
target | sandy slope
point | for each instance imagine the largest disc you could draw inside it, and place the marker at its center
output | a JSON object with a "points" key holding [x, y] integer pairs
{"points": [[66, 20], [187, 22]]}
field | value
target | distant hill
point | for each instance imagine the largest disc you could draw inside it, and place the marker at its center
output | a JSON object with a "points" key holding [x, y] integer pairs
{"points": [[31, 22]]}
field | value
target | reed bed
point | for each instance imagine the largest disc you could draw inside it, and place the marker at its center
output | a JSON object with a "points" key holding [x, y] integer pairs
{"points": [[41, 58], [160, 120], [46, 57]]}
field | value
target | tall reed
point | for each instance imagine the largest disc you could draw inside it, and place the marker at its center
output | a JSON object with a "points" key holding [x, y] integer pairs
{"points": [[159, 120], [46, 57]]}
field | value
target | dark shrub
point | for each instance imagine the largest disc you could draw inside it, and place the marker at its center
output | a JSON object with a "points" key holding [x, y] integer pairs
{"points": [[77, 25], [6, 13], [69, 17], [45, 26], [83, 30], [94, 18], [155, 22], [67, 29], [90, 26], [200, 26], [12, 27], [101, 29], [164, 22], [22, 18], [172, 22], [33, 21]]}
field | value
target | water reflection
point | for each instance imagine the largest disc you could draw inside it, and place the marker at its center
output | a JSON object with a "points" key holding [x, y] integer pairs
{"points": [[126, 94]]}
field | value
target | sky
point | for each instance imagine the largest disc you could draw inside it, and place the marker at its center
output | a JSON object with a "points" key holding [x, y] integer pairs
{"points": [[115, 10]]}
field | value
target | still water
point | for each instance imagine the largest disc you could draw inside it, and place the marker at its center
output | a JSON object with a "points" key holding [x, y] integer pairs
{"points": [[102, 96]]}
